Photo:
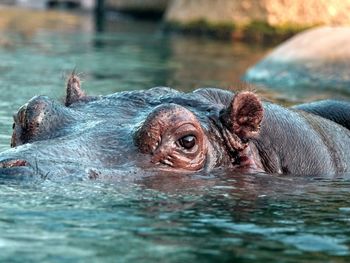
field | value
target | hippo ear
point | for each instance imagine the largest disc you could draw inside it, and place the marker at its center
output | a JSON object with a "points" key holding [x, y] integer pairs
{"points": [[74, 92], [244, 115]]}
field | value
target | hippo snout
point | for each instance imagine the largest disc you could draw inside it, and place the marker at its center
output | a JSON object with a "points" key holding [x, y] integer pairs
{"points": [[40, 119], [33, 120]]}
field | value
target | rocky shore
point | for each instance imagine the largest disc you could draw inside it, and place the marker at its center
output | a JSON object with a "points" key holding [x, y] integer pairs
{"points": [[261, 20], [265, 20], [257, 19]]}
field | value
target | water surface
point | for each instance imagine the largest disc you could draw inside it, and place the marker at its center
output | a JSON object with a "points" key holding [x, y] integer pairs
{"points": [[218, 218]]}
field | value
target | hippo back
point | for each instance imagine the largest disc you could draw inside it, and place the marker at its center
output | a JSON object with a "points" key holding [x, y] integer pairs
{"points": [[337, 111], [297, 142]]}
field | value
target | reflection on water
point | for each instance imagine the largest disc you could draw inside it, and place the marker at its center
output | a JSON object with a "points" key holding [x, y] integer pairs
{"points": [[226, 218], [191, 219]]}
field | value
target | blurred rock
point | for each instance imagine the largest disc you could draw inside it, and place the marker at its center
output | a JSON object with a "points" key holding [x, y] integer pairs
{"points": [[317, 58], [274, 12], [27, 22], [268, 16]]}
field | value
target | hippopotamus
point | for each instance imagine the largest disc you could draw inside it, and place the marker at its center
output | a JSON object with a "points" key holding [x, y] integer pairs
{"points": [[167, 131]]}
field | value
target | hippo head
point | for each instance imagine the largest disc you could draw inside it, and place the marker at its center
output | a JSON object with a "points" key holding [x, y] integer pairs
{"points": [[132, 132]]}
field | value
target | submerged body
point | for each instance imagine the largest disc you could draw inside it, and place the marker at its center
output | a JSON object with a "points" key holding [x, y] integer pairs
{"points": [[165, 130]]}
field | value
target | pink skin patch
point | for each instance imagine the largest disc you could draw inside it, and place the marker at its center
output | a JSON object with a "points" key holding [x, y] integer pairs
{"points": [[13, 163], [249, 162]]}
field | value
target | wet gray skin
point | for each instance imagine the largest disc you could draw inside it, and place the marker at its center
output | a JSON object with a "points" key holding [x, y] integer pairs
{"points": [[162, 130]]}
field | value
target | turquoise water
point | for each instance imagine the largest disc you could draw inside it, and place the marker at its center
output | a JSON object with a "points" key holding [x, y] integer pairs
{"points": [[223, 218]]}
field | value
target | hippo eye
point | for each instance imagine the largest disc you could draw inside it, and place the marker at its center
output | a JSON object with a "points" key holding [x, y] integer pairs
{"points": [[188, 141], [173, 138]]}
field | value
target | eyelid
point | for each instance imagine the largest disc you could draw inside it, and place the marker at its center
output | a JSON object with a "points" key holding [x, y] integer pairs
{"points": [[186, 129]]}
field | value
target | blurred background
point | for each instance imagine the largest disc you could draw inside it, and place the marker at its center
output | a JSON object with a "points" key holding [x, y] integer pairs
{"points": [[137, 44]]}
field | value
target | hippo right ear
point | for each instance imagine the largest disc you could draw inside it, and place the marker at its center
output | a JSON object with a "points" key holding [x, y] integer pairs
{"points": [[244, 115]]}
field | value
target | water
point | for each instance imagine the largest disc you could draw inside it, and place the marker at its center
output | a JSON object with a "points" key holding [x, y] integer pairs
{"points": [[224, 218], [191, 219]]}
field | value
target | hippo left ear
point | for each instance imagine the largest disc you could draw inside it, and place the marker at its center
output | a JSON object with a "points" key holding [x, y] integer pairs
{"points": [[74, 93], [244, 115]]}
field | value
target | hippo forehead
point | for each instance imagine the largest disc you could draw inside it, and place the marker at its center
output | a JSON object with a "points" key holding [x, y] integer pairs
{"points": [[131, 107]]}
